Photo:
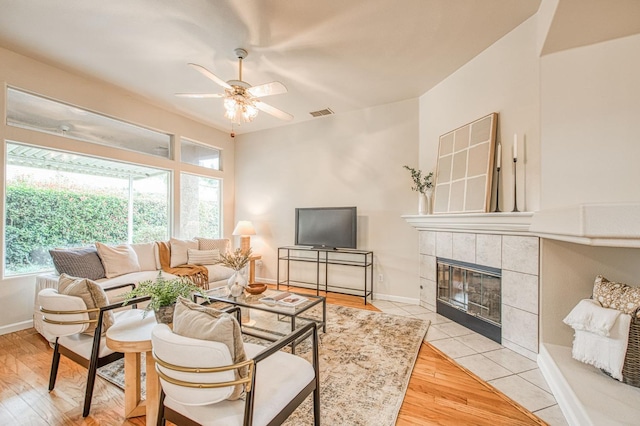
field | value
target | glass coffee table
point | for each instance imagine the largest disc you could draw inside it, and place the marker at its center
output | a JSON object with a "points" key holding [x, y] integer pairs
{"points": [[268, 329]]}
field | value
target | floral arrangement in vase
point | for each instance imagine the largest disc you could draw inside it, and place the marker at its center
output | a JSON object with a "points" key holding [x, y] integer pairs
{"points": [[424, 186], [236, 260]]}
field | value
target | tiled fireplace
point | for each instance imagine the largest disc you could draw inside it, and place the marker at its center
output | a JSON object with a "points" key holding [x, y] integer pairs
{"points": [[515, 257]]}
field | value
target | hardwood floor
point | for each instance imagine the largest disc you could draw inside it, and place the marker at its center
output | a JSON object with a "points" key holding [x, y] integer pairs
{"points": [[439, 393]]}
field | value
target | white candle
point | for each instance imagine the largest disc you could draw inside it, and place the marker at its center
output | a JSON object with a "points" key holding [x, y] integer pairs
{"points": [[499, 155], [515, 146]]}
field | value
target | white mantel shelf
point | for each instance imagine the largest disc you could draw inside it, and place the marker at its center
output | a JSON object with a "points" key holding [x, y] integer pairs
{"points": [[498, 223], [606, 225]]}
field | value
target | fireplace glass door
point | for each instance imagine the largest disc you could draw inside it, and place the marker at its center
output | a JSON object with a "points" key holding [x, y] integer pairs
{"points": [[470, 288]]}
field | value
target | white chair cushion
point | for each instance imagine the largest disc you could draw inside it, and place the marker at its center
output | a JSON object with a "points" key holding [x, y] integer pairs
{"points": [[279, 379], [82, 344], [188, 352], [51, 300]]}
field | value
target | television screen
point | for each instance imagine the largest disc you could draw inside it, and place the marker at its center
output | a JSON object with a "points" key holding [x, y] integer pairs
{"points": [[326, 227]]}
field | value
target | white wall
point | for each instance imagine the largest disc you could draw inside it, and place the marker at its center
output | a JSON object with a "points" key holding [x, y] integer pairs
{"points": [[503, 79], [352, 159], [17, 293], [590, 108]]}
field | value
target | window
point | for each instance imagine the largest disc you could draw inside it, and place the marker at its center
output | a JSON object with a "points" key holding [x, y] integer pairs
{"points": [[45, 115], [199, 206], [60, 199], [199, 154]]}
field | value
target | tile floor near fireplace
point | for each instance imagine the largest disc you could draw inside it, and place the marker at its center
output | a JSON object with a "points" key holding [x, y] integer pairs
{"points": [[516, 376]]}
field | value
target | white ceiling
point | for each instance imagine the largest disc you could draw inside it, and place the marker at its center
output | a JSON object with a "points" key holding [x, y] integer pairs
{"points": [[339, 54]]}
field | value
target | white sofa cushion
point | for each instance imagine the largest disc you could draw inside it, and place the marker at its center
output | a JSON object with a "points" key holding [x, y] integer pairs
{"points": [[218, 272], [179, 251], [118, 260], [147, 254]]}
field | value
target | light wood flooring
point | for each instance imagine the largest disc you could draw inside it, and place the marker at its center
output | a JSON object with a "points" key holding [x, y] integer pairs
{"points": [[439, 392]]}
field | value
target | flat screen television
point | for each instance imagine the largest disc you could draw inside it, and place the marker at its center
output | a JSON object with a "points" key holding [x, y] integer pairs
{"points": [[326, 227]]}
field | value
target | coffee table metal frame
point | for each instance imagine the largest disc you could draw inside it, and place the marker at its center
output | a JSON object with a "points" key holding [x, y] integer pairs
{"points": [[252, 301]]}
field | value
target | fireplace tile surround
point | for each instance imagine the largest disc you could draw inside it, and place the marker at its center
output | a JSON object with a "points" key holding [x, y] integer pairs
{"points": [[518, 258], [589, 238]]}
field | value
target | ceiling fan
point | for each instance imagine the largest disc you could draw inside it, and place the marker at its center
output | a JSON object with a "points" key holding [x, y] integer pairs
{"points": [[241, 101]]}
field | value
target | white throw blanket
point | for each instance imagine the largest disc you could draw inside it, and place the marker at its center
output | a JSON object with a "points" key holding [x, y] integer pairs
{"points": [[604, 352], [589, 315]]}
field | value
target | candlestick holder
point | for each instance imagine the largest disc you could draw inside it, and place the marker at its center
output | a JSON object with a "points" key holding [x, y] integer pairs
{"points": [[515, 185], [497, 210]]}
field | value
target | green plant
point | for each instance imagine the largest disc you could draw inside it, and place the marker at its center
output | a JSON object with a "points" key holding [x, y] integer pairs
{"points": [[236, 260], [163, 292], [421, 183]]}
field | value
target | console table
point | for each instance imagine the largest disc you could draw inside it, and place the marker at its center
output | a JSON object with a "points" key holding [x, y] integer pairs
{"points": [[289, 255]]}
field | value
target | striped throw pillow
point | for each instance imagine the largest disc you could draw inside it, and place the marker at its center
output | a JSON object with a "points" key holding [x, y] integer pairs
{"points": [[203, 257]]}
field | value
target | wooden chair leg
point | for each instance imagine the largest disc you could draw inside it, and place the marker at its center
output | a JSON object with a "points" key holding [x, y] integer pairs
{"points": [[55, 362]]}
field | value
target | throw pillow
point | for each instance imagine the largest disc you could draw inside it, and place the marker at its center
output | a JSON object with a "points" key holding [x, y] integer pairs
{"points": [[179, 251], [118, 260], [78, 262], [221, 244], [616, 295], [146, 253], [93, 296], [204, 323], [203, 257]]}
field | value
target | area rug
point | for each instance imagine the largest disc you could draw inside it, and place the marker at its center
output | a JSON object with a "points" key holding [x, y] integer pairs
{"points": [[366, 359]]}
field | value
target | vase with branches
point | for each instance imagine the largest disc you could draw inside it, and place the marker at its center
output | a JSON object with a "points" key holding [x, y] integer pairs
{"points": [[423, 185], [236, 260]]}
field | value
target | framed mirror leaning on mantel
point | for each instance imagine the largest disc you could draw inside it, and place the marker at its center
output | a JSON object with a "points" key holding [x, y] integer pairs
{"points": [[465, 167]]}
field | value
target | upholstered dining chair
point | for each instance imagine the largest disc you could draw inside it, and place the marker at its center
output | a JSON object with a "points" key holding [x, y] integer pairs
{"points": [[67, 318], [198, 375]]}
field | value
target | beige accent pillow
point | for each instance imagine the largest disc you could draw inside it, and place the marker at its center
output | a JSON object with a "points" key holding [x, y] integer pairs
{"points": [[616, 295], [118, 260], [146, 253], [221, 244], [179, 251], [203, 257], [93, 296], [204, 323]]}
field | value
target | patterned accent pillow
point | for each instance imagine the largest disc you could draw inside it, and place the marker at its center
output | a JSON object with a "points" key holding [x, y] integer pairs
{"points": [[616, 295], [221, 244], [205, 323], [203, 257], [78, 262], [93, 296]]}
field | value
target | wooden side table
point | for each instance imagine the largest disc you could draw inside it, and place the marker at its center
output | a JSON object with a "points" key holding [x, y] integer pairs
{"points": [[252, 267], [132, 337]]}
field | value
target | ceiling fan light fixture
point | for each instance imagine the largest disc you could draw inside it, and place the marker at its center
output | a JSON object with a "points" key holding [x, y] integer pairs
{"points": [[239, 109]]}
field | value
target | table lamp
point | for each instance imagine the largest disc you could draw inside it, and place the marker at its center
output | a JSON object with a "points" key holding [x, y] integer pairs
{"points": [[244, 228]]}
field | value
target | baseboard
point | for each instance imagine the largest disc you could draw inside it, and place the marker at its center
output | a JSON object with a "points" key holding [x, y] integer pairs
{"points": [[399, 299], [6, 329]]}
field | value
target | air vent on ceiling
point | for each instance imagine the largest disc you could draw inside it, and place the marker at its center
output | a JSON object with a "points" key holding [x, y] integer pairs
{"points": [[320, 113]]}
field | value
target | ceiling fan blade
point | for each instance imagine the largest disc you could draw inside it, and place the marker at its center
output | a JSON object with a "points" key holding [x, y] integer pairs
{"points": [[273, 111], [267, 89], [210, 75], [199, 95]]}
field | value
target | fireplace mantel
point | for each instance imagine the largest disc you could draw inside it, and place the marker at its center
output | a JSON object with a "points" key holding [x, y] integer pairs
{"points": [[606, 225]]}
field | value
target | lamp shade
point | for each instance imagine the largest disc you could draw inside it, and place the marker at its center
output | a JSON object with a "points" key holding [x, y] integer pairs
{"points": [[244, 227]]}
